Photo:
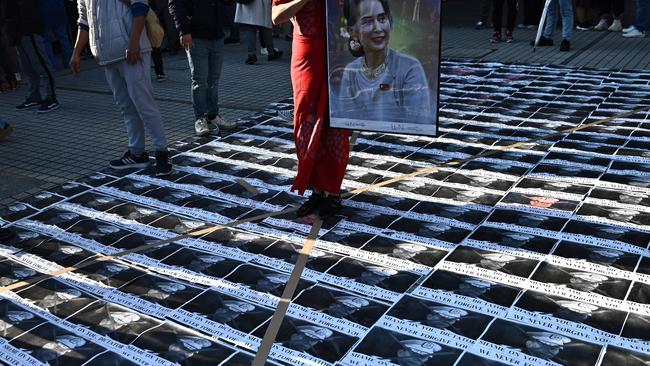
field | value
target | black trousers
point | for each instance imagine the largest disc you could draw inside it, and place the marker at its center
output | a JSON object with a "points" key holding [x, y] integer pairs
{"points": [[533, 11], [156, 57], [497, 14], [614, 7]]}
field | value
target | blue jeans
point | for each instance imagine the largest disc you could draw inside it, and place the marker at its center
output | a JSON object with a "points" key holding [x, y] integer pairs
{"points": [[566, 11], [60, 33], [205, 58], [642, 14]]}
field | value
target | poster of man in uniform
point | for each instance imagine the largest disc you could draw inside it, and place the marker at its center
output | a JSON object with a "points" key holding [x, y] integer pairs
{"points": [[384, 58]]}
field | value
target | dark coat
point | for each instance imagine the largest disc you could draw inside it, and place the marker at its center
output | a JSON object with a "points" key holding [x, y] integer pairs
{"points": [[200, 18], [22, 18]]}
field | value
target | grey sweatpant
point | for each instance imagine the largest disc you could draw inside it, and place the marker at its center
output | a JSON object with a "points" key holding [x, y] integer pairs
{"points": [[37, 68], [133, 93]]}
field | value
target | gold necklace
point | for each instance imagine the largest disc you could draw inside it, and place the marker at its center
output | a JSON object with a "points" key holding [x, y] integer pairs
{"points": [[373, 73]]}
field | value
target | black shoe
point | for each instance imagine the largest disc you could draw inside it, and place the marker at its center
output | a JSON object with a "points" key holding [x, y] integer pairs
{"points": [[129, 161], [28, 104], [543, 41], [163, 163], [161, 77], [310, 205], [479, 25], [330, 206], [251, 60], [6, 234], [231, 40], [275, 55], [565, 45], [48, 105]]}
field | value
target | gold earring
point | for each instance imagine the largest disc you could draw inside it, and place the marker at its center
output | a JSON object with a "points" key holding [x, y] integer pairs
{"points": [[355, 45]]}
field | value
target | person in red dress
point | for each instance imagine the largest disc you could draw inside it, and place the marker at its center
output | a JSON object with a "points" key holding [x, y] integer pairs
{"points": [[322, 151]]}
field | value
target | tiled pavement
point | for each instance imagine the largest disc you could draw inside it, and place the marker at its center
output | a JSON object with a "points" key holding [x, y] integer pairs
{"points": [[87, 131]]}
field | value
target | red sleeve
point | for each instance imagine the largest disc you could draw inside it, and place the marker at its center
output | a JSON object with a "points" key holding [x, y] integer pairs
{"points": [[278, 2]]}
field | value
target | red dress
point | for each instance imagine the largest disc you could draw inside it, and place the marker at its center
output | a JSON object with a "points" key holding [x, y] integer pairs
{"points": [[322, 151]]}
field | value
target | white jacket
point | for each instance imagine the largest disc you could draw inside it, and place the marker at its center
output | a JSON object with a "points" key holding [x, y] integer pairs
{"points": [[256, 13], [110, 23]]}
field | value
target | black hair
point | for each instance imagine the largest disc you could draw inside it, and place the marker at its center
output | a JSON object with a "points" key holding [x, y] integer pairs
{"points": [[351, 14]]}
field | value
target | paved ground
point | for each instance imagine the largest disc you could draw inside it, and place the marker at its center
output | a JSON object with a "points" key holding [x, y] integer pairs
{"points": [[86, 132], [509, 253]]}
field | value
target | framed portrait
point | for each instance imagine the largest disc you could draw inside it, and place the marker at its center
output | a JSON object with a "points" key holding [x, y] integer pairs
{"points": [[384, 65]]}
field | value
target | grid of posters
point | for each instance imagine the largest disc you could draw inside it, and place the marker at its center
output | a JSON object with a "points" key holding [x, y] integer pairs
{"points": [[536, 255]]}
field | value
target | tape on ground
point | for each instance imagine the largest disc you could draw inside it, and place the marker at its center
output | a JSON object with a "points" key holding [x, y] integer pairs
{"points": [[281, 310]]}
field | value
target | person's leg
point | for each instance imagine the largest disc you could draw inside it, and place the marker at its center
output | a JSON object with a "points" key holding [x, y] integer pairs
{"points": [[267, 35], [33, 46], [132, 121], [485, 10], [566, 11], [605, 8], [156, 56], [62, 35], [198, 60], [512, 15], [549, 27], [234, 31], [250, 37], [26, 54], [214, 73], [48, 38], [140, 90], [642, 15], [618, 8], [497, 15]]}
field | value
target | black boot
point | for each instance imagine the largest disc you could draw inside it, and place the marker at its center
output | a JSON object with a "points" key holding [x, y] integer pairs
{"points": [[310, 205], [330, 206], [276, 54], [251, 60]]}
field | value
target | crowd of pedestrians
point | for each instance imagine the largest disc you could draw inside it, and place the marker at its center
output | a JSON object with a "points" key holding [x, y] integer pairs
{"points": [[596, 15], [123, 37]]}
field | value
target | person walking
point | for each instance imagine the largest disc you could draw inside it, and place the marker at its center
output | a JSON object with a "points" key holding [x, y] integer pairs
{"points": [[25, 29], [322, 151], [253, 17], [497, 20], [566, 11], [113, 27], [200, 25]]}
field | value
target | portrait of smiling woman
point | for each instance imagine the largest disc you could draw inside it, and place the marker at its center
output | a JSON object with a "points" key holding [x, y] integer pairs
{"points": [[381, 88]]}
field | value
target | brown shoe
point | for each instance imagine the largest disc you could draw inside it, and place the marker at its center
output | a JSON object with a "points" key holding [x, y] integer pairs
{"points": [[5, 132]]}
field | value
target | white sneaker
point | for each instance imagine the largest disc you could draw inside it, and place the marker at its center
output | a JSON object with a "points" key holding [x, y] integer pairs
{"points": [[601, 26], [629, 29], [265, 51], [616, 26], [634, 34], [201, 127], [222, 123]]}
